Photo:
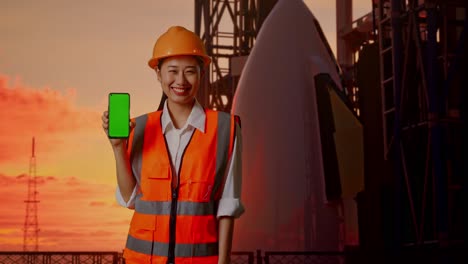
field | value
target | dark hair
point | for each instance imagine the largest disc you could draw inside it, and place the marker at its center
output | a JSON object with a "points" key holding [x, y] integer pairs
{"points": [[201, 64]]}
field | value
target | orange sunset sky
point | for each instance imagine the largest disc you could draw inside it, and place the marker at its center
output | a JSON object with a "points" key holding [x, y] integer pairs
{"points": [[58, 62]]}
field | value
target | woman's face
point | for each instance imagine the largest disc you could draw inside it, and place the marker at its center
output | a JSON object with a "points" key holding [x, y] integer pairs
{"points": [[180, 79]]}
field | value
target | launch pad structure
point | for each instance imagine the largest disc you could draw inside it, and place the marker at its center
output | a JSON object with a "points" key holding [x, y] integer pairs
{"points": [[419, 49], [403, 67]]}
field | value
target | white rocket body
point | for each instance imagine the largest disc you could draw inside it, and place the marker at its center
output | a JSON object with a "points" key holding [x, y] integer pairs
{"points": [[283, 176]]}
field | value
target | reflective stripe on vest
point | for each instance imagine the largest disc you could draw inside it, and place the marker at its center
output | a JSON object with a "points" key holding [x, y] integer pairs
{"points": [[183, 207], [222, 151], [181, 250], [137, 145], [202, 177]]}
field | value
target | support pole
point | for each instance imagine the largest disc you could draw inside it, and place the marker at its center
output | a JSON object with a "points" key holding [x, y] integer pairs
{"points": [[397, 146], [435, 128]]}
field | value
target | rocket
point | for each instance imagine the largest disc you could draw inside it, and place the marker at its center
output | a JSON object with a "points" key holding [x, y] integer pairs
{"points": [[302, 150]]}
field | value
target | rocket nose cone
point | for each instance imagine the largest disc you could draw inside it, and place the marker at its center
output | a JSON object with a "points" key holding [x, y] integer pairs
{"points": [[273, 97]]}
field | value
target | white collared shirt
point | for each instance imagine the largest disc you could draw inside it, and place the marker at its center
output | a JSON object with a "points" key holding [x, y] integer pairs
{"points": [[178, 139]]}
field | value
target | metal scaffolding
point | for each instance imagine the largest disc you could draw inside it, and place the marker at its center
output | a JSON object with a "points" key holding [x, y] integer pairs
{"points": [[228, 29], [421, 115]]}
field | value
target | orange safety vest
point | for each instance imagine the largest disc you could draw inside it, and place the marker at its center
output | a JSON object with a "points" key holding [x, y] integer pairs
{"points": [[178, 225]]}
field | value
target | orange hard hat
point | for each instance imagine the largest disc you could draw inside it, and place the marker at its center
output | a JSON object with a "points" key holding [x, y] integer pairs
{"points": [[176, 41]]}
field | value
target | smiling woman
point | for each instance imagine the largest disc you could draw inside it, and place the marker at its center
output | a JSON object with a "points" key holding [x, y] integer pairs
{"points": [[172, 168]]}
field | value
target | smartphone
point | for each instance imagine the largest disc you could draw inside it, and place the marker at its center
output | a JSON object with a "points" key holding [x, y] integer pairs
{"points": [[119, 115]]}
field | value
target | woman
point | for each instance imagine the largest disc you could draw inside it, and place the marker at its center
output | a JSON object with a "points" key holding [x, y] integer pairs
{"points": [[180, 168]]}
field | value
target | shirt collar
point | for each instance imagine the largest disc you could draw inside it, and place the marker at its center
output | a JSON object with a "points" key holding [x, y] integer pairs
{"points": [[196, 118]]}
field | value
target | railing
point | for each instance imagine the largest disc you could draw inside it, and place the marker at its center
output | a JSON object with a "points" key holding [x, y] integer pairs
{"points": [[427, 256], [304, 257], [405, 256], [242, 257], [21, 257]]}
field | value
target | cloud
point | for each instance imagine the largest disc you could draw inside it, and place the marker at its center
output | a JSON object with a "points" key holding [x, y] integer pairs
{"points": [[97, 204], [72, 181], [24, 178], [45, 113], [101, 233], [66, 214]]}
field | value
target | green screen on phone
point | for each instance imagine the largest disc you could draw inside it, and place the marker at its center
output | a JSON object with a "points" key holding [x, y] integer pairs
{"points": [[119, 115]]}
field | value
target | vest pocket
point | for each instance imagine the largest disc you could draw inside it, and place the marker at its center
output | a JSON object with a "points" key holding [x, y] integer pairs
{"points": [[156, 183], [141, 234], [160, 171], [143, 222], [195, 190]]}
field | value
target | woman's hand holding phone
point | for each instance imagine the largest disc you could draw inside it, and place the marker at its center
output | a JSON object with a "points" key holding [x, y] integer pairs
{"points": [[115, 142], [117, 125]]}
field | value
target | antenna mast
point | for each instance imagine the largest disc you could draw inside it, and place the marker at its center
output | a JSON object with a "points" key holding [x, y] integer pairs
{"points": [[31, 227]]}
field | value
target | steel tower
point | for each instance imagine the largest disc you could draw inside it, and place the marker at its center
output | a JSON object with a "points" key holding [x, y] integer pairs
{"points": [[421, 46], [416, 74], [228, 28], [31, 226]]}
